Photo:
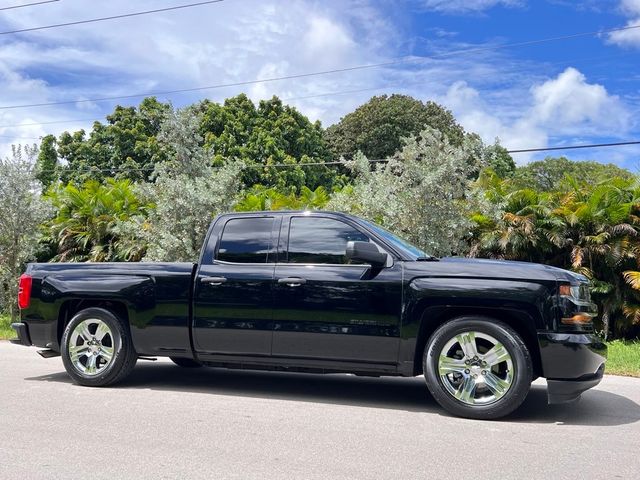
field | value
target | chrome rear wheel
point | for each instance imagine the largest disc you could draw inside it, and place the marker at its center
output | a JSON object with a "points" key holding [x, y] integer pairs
{"points": [[91, 346]]}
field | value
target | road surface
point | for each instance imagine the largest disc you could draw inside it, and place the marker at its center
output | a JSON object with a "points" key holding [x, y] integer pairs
{"points": [[169, 422]]}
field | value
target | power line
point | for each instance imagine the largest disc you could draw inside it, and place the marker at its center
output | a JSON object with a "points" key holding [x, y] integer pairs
{"points": [[318, 95], [572, 147], [28, 4], [376, 160], [112, 17], [321, 72]]}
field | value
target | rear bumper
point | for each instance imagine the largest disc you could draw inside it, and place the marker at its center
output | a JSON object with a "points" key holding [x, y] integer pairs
{"points": [[572, 363], [23, 334]]}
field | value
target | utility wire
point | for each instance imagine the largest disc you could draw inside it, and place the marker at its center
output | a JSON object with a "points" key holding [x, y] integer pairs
{"points": [[377, 160], [318, 95], [572, 147], [112, 17], [342, 92], [321, 72], [28, 4]]}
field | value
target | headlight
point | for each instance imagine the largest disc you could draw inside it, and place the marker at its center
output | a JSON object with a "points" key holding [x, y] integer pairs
{"points": [[579, 292], [577, 308]]}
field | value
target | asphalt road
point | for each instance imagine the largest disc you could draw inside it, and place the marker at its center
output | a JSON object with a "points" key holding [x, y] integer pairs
{"points": [[168, 422]]}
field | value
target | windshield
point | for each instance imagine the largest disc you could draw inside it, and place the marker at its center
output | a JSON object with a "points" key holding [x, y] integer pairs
{"points": [[396, 241]]}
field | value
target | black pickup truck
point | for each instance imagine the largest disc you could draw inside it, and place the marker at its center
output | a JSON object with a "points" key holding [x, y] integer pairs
{"points": [[323, 292]]}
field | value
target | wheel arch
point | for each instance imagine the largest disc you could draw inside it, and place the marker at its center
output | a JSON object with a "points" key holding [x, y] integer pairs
{"points": [[431, 318], [71, 307]]}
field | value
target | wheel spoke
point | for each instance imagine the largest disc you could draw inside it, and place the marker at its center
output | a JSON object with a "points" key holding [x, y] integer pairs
{"points": [[467, 341], [448, 365], [106, 353], [91, 364], [83, 330], [497, 386], [467, 390], [77, 351], [496, 355], [102, 331]]}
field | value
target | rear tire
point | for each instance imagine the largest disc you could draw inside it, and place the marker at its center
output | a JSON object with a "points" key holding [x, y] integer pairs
{"points": [[185, 362], [477, 367], [96, 348]]}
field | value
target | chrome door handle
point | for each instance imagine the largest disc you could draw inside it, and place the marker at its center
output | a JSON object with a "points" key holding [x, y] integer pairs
{"points": [[213, 280], [292, 281]]}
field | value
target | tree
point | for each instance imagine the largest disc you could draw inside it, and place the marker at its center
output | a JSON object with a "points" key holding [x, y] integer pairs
{"points": [[420, 194], [188, 192], [47, 168], [377, 128], [125, 147], [547, 175], [499, 160], [271, 133], [21, 213], [261, 198], [85, 227]]}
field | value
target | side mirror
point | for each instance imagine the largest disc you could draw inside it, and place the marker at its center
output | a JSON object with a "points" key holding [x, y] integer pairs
{"points": [[366, 252]]}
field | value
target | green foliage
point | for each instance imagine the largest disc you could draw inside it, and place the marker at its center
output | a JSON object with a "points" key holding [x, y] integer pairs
{"points": [[47, 168], [624, 358], [6, 332], [272, 133], [21, 212], [548, 174], [261, 198], [591, 229], [188, 193], [125, 147], [498, 159], [421, 194], [377, 128], [85, 227]]}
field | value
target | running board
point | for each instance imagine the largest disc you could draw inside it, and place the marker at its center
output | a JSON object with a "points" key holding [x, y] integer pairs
{"points": [[48, 353]]}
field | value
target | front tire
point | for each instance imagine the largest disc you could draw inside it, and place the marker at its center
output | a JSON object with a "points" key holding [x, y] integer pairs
{"points": [[477, 367], [96, 348]]}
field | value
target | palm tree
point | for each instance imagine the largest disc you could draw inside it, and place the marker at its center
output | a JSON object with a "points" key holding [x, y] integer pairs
{"points": [[85, 225]]}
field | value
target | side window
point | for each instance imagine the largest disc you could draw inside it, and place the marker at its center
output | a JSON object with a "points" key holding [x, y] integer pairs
{"points": [[246, 240], [320, 240]]}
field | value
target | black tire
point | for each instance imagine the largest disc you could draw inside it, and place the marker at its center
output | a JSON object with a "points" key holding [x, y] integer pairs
{"points": [[185, 362], [519, 356], [124, 355]]}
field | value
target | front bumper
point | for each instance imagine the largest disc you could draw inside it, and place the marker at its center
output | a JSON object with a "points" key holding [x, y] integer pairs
{"points": [[572, 363], [23, 334]]}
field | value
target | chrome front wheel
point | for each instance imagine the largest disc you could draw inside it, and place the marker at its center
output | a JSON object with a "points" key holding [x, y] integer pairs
{"points": [[475, 368]]}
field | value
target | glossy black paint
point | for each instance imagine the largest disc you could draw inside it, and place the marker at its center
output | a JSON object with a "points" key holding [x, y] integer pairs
{"points": [[313, 317]]}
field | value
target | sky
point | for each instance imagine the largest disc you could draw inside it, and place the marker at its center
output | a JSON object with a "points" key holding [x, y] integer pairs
{"points": [[459, 53]]}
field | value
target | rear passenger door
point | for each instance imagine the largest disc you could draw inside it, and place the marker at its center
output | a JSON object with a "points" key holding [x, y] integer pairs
{"points": [[233, 289], [327, 308]]}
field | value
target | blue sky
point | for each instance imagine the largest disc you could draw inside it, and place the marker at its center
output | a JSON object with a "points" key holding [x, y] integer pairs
{"points": [[581, 90]]}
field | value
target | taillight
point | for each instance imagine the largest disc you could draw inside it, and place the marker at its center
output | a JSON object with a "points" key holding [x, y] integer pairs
{"points": [[24, 291]]}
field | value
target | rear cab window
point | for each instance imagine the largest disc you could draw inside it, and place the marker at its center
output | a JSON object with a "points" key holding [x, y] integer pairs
{"points": [[247, 240]]}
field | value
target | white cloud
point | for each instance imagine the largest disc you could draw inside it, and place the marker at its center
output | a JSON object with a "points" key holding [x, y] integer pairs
{"points": [[564, 106], [568, 101], [468, 6], [631, 36], [632, 7]]}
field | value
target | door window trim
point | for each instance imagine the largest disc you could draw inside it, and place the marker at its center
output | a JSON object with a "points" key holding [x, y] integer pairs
{"points": [[283, 243], [273, 241]]}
